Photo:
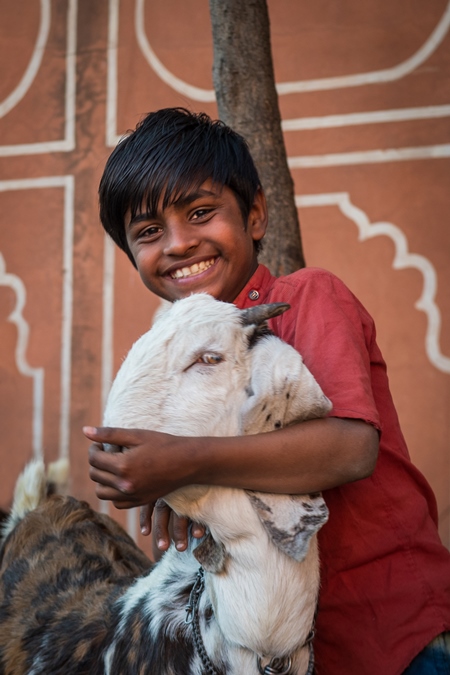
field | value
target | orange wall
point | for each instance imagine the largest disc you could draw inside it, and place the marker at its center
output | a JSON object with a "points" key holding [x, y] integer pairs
{"points": [[365, 100]]}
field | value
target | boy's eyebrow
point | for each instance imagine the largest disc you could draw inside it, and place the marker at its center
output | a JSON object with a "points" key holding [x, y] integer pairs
{"points": [[182, 201], [139, 218], [190, 197]]}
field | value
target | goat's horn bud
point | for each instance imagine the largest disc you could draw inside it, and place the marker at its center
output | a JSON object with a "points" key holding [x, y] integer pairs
{"points": [[260, 313]]}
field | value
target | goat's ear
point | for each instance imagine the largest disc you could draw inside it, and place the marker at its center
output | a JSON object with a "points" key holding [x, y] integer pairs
{"points": [[211, 555], [290, 520]]}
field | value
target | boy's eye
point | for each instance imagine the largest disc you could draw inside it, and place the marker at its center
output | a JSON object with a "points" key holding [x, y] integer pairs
{"points": [[150, 231], [201, 213]]}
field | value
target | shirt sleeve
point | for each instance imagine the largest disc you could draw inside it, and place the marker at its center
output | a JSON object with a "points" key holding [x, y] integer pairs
{"points": [[335, 336]]}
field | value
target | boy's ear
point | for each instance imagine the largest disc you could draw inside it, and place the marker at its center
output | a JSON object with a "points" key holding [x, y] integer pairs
{"points": [[258, 217]]}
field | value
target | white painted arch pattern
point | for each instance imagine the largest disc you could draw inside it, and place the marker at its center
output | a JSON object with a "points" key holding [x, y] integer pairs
{"points": [[13, 281], [37, 374], [357, 80], [301, 86], [17, 95], [403, 259], [296, 124], [30, 72]]}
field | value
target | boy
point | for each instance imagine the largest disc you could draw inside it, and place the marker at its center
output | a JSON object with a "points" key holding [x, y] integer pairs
{"points": [[181, 196]]}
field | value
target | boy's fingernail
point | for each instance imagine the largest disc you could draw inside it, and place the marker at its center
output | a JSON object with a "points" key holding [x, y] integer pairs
{"points": [[145, 530], [180, 546], [162, 544], [89, 430]]}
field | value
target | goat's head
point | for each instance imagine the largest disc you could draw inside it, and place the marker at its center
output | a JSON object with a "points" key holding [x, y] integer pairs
{"points": [[208, 368]]}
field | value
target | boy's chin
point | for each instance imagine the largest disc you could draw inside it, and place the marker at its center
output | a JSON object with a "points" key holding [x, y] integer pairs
{"points": [[176, 289]]}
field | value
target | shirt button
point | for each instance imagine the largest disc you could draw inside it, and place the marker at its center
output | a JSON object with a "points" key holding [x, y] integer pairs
{"points": [[253, 295]]}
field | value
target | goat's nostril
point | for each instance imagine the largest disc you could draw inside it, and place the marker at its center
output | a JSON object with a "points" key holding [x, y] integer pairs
{"points": [[249, 391]]}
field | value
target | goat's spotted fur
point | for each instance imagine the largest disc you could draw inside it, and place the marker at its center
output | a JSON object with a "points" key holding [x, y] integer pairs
{"points": [[78, 596]]}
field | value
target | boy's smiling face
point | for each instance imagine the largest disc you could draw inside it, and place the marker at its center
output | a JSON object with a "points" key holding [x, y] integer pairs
{"points": [[198, 244]]}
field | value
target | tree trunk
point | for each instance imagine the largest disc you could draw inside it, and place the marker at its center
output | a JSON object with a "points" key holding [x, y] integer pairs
{"points": [[247, 101]]}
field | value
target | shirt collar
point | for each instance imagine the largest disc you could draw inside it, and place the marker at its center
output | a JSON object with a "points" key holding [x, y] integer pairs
{"points": [[256, 290]]}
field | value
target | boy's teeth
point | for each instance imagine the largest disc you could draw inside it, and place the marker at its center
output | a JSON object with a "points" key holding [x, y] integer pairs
{"points": [[196, 268]]}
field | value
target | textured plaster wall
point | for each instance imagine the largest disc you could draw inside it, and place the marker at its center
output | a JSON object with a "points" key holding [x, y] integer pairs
{"points": [[365, 99]]}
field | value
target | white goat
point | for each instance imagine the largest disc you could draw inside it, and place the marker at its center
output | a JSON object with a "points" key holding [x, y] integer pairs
{"points": [[77, 595]]}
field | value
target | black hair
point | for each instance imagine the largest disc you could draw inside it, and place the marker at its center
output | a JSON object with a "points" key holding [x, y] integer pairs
{"points": [[171, 152]]}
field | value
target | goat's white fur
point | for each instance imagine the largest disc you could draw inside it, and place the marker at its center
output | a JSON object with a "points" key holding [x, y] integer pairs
{"points": [[265, 600]]}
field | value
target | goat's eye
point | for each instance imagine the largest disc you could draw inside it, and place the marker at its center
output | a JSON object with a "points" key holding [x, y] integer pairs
{"points": [[210, 359]]}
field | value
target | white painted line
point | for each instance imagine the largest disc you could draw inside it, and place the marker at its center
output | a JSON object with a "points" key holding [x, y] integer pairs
{"points": [[374, 117], [71, 57], [111, 86], [370, 157], [108, 318], [376, 76], [66, 337], [132, 523], [182, 87], [107, 357]]}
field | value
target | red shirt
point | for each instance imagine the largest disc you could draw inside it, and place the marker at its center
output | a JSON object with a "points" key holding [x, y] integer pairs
{"points": [[385, 590]]}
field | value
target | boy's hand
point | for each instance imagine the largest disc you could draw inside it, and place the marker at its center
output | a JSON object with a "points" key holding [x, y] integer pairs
{"points": [[143, 472], [140, 476], [167, 526]]}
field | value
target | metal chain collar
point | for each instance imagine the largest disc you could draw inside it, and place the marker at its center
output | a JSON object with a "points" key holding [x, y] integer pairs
{"points": [[192, 617], [282, 666], [277, 665]]}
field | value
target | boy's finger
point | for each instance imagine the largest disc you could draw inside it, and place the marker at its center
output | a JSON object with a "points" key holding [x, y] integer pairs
{"points": [[113, 435], [106, 493], [161, 517], [119, 504], [180, 532], [198, 530], [110, 477], [111, 463], [145, 519]]}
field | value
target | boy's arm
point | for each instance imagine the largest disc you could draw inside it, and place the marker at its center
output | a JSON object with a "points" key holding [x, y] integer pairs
{"points": [[307, 457]]}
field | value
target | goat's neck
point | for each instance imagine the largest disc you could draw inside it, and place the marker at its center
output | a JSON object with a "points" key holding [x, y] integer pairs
{"points": [[263, 599]]}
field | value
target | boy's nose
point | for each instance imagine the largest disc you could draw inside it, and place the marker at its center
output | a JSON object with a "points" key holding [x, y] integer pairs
{"points": [[180, 240]]}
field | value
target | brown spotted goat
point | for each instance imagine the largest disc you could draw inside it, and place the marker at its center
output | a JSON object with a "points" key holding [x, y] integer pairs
{"points": [[78, 596]]}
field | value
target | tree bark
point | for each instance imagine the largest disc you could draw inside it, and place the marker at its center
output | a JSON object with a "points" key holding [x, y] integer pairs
{"points": [[247, 101]]}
